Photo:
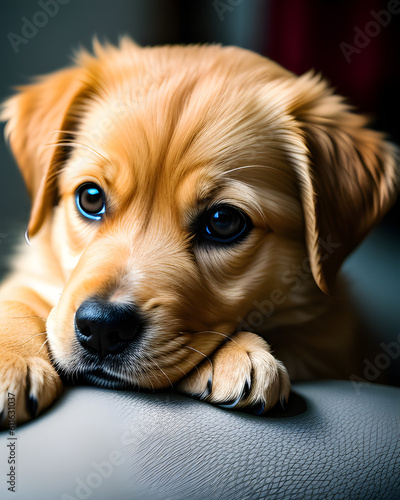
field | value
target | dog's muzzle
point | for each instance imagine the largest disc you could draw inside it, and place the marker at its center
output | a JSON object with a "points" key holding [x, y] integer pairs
{"points": [[104, 327]]}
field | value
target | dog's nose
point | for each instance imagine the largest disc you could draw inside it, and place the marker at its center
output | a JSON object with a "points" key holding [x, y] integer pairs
{"points": [[105, 327]]}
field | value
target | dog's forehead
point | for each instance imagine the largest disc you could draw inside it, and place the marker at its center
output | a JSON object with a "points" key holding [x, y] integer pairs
{"points": [[178, 121], [138, 148]]}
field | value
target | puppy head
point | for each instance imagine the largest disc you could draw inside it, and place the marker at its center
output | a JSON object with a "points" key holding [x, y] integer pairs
{"points": [[181, 183]]}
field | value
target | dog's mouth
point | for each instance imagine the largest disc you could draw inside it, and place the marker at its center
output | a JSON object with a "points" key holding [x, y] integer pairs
{"points": [[99, 378], [105, 380]]}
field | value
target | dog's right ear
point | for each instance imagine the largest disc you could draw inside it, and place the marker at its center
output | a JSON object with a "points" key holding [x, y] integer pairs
{"points": [[35, 116], [350, 180]]}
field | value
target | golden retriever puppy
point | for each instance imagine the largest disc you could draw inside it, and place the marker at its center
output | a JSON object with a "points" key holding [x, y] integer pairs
{"points": [[191, 207]]}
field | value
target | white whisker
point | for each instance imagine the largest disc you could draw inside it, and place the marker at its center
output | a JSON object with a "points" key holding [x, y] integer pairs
{"points": [[161, 370], [71, 143], [180, 369], [217, 333], [195, 365], [33, 336], [246, 167], [45, 342], [199, 352]]}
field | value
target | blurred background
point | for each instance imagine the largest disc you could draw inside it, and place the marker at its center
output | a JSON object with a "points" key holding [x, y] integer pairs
{"points": [[354, 43]]}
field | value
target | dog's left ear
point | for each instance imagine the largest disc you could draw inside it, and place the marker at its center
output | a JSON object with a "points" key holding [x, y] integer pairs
{"points": [[349, 181], [35, 116]]}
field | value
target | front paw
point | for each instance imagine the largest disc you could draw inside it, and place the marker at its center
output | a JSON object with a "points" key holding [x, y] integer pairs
{"points": [[27, 387], [242, 373]]}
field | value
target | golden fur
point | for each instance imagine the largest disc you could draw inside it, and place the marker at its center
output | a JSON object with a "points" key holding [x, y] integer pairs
{"points": [[167, 132]]}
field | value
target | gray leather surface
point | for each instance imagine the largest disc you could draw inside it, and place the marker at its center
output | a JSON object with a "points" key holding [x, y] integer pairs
{"points": [[122, 445]]}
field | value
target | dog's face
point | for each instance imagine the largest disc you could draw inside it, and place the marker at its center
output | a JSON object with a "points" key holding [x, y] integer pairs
{"points": [[178, 186]]}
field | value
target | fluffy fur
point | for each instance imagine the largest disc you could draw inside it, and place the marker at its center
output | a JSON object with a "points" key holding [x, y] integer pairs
{"points": [[168, 132]]}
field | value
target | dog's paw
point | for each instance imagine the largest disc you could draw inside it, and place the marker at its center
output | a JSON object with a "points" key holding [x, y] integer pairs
{"points": [[241, 374], [27, 387]]}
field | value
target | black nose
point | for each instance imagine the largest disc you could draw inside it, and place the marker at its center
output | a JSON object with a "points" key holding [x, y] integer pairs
{"points": [[106, 327]]}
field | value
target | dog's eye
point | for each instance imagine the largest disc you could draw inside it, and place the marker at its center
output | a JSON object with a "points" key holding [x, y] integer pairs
{"points": [[90, 201], [225, 224]]}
